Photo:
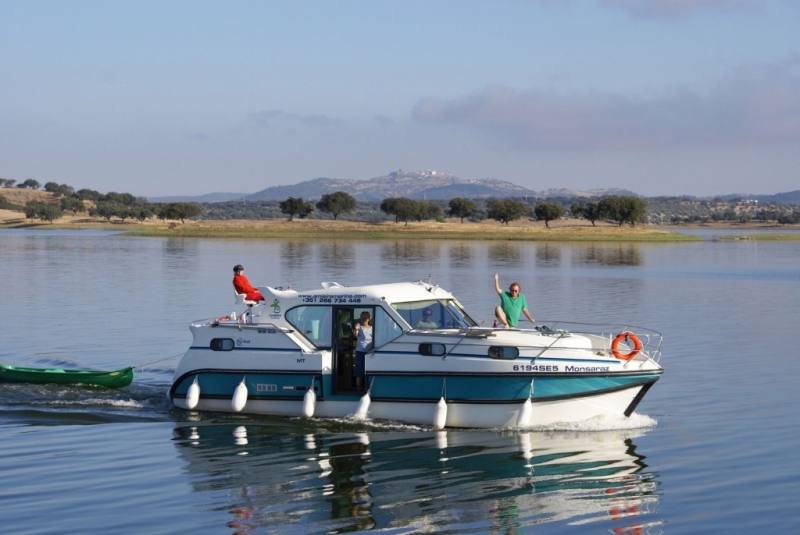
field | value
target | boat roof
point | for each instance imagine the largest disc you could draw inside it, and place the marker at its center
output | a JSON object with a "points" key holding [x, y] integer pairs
{"points": [[397, 292]]}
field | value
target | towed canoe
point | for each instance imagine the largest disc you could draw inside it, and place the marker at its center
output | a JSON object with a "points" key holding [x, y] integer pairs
{"points": [[114, 379]]}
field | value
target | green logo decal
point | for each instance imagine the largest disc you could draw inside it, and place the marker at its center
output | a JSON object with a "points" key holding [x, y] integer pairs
{"points": [[276, 306]]}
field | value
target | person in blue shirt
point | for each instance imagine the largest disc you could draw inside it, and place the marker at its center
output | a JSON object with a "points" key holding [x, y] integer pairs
{"points": [[512, 304]]}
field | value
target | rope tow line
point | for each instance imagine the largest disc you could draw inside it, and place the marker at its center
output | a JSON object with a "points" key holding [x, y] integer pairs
{"points": [[142, 365]]}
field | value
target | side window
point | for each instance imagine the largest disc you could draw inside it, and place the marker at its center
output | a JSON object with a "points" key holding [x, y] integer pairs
{"points": [[386, 329], [432, 350], [313, 322], [503, 352], [222, 344]]}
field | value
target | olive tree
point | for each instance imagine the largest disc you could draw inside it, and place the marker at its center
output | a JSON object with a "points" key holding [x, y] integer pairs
{"points": [[337, 203], [74, 204], [296, 207], [461, 208], [506, 210], [623, 209], [547, 212], [589, 211]]}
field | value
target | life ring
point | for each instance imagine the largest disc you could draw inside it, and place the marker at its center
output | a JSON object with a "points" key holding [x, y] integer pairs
{"points": [[629, 337]]}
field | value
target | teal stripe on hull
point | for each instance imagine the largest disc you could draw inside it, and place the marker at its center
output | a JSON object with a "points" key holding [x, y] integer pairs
{"points": [[496, 388]]}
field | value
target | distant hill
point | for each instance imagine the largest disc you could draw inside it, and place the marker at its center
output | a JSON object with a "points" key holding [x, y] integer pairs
{"points": [[563, 192], [790, 197], [414, 185], [208, 197], [431, 185]]}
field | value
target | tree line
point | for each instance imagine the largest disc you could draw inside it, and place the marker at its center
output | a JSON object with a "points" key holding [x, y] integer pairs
{"points": [[618, 208], [106, 205]]}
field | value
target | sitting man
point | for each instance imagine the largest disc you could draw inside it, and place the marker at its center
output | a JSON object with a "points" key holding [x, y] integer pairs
{"points": [[512, 304], [426, 321], [243, 285]]}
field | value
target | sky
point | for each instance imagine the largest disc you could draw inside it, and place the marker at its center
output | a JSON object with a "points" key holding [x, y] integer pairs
{"points": [[188, 97]]}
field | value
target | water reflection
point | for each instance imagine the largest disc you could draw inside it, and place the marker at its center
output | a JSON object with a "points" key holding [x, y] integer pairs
{"points": [[505, 254], [617, 255], [295, 254], [277, 477], [460, 255], [548, 255], [180, 249], [337, 255], [406, 252]]}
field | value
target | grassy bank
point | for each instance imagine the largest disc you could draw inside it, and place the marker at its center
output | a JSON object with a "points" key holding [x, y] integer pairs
{"points": [[763, 237], [388, 230], [560, 231]]}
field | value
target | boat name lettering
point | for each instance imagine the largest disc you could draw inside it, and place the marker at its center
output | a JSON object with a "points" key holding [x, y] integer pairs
{"points": [[240, 341], [587, 368], [332, 299], [534, 368]]}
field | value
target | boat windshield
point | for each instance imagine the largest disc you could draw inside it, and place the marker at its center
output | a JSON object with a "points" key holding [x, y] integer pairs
{"points": [[434, 314]]}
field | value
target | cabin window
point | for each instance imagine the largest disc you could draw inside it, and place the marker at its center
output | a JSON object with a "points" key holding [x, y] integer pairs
{"points": [[434, 314], [222, 344], [503, 352], [432, 350], [386, 329], [313, 322]]}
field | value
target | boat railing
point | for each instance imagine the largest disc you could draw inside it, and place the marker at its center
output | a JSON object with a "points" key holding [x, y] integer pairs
{"points": [[605, 333], [226, 322], [601, 334]]}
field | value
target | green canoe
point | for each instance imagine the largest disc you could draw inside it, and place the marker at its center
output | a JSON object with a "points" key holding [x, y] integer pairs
{"points": [[115, 379]]}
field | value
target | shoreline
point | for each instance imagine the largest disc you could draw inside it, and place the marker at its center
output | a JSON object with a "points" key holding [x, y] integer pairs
{"points": [[567, 230]]}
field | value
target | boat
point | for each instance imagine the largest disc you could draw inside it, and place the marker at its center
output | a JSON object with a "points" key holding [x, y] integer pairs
{"points": [[293, 355], [112, 379]]}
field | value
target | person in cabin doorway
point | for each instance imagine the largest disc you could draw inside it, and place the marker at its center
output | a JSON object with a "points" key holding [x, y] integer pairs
{"points": [[512, 304], [363, 334], [243, 285]]}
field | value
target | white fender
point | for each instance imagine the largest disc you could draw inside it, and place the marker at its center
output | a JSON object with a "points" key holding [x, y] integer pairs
{"points": [[363, 407], [440, 414], [193, 394], [309, 403], [239, 399], [524, 418]]}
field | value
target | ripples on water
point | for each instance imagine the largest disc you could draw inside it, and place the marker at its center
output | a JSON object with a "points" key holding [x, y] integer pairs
{"points": [[719, 459]]}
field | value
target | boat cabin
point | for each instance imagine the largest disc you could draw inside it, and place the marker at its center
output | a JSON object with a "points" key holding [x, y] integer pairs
{"points": [[325, 319]]}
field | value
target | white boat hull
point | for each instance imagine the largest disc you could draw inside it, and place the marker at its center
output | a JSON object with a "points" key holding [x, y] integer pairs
{"points": [[465, 415]]}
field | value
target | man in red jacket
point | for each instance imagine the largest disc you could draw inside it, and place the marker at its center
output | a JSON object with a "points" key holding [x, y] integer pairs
{"points": [[243, 285]]}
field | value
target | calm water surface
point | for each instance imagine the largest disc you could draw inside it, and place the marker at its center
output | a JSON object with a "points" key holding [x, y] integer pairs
{"points": [[713, 447]]}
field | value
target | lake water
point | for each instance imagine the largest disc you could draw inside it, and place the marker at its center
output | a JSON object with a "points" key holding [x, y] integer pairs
{"points": [[713, 448]]}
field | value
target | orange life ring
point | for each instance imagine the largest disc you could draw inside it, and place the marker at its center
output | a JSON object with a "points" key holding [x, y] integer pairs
{"points": [[630, 337]]}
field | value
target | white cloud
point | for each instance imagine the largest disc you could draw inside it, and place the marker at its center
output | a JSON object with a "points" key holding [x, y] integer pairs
{"points": [[753, 106]]}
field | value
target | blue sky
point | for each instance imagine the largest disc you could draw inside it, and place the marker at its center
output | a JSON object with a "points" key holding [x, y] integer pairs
{"points": [[663, 97]]}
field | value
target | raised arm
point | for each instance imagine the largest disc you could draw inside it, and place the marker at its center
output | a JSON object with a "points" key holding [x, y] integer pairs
{"points": [[497, 284]]}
